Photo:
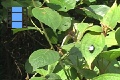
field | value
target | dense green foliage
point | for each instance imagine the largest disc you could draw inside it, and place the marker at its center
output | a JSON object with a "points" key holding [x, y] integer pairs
{"points": [[83, 38]]}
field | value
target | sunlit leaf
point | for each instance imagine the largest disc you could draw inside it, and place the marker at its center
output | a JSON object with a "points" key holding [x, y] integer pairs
{"points": [[119, 13], [110, 39], [95, 28], [111, 17], [43, 57], [108, 76], [65, 24], [96, 40], [47, 16], [96, 11]]}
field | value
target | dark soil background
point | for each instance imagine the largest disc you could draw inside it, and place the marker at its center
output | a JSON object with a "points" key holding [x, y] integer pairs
{"points": [[15, 50]]}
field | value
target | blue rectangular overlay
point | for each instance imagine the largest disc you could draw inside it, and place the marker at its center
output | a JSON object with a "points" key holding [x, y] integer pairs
{"points": [[17, 17], [16, 9], [16, 24]]}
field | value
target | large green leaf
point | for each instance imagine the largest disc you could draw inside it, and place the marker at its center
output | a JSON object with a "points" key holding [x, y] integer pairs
{"points": [[65, 24], [110, 39], [117, 36], [96, 11], [43, 57], [108, 76], [47, 16], [111, 55], [62, 5], [96, 40], [111, 17]]}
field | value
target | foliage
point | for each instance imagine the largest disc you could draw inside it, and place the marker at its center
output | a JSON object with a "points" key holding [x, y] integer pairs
{"points": [[80, 49]]}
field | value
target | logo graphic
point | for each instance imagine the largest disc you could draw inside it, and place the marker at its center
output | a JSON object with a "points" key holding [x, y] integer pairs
{"points": [[17, 17]]}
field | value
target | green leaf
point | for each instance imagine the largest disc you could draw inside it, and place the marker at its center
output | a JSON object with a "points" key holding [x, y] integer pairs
{"points": [[23, 29], [74, 56], [118, 13], [10, 4], [27, 3], [81, 28], [37, 78], [111, 55], [61, 73], [53, 76], [28, 67], [62, 5], [95, 28], [109, 66], [65, 24], [92, 0], [117, 36], [53, 38], [96, 40], [43, 57], [47, 16], [52, 67], [110, 39], [111, 18], [68, 46], [88, 74], [108, 76], [42, 71], [72, 73], [96, 11]]}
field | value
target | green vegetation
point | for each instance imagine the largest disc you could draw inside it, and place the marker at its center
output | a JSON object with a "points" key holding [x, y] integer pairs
{"points": [[82, 39]]}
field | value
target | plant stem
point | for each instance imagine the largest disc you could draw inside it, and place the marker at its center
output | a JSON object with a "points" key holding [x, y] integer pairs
{"points": [[37, 27], [47, 36], [64, 70], [33, 3]]}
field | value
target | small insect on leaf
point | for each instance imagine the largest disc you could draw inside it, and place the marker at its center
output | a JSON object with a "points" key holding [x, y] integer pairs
{"points": [[91, 48]]}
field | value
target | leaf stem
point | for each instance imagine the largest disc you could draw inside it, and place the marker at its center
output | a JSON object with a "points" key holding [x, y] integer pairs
{"points": [[37, 27], [46, 36], [64, 70], [34, 3]]}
